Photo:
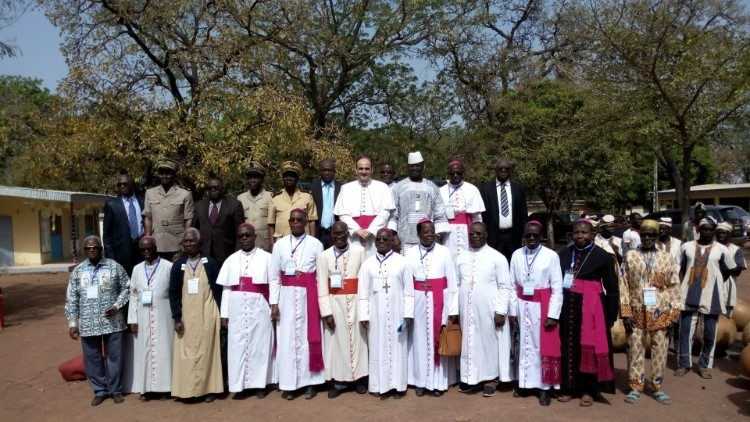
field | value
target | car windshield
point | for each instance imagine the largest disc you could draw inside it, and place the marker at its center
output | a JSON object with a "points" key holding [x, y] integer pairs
{"points": [[733, 213]]}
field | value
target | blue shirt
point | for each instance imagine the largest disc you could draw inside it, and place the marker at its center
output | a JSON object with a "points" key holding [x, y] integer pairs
{"points": [[326, 214]]}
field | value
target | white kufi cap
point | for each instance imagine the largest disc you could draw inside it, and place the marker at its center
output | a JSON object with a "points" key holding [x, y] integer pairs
{"points": [[415, 157]]}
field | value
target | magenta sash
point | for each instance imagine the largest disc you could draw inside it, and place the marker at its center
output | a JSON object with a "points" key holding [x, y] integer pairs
{"points": [[461, 218], [246, 285], [594, 345], [549, 338], [436, 286], [314, 335], [364, 221]]}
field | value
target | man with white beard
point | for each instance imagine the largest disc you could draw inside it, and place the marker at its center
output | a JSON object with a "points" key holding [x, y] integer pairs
{"points": [[435, 300], [484, 280], [386, 310]]}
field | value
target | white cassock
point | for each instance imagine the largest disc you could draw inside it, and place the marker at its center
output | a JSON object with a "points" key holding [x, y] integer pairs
{"points": [[244, 302], [345, 348], [152, 346], [533, 273], [484, 278], [364, 207], [386, 298], [295, 255], [463, 206], [428, 267]]}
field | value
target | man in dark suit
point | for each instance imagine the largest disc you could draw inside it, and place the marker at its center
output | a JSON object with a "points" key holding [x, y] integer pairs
{"points": [[123, 224], [217, 217], [506, 213], [324, 192]]}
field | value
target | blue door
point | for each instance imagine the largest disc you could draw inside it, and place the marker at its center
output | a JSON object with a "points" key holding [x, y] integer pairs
{"points": [[6, 241]]}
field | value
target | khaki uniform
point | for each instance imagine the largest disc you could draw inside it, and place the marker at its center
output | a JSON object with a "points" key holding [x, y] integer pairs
{"points": [[168, 212], [256, 213], [282, 205]]}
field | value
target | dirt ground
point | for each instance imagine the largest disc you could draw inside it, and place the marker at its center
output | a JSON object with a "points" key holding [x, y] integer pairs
{"points": [[35, 342]]}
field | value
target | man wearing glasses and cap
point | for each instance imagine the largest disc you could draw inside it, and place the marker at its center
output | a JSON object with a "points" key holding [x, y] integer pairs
{"points": [[289, 198], [256, 202], [168, 211], [605, 239]]}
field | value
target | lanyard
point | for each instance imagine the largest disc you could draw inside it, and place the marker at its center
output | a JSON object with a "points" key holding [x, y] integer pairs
{"points": [[94, 272], [337, 256], [291, 243], [530, 265], [573, 260], [423, 255], [145, 271], [193, 268], [649, 263], [454, 190], [385, 258]]}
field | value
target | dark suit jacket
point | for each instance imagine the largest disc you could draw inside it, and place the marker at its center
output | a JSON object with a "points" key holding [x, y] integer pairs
{"points": [[519, 211], [117, 242], [176, 276], [316, 190], [598, 266], [220, 240]]}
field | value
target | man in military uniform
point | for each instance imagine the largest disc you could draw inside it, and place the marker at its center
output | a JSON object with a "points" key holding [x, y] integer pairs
{"points": [[256, 201], [168, 211], [288, 199]]}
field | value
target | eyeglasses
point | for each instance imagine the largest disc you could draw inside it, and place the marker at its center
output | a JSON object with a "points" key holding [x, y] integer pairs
{"points": [[532, 235], [91, 248], [243, 235], [292, 220], [147, 249], [455, 173]]}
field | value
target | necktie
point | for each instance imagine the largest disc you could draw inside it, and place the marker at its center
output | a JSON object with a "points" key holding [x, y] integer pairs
{"points": [[132, 220], [504, 209], [213, 215]]}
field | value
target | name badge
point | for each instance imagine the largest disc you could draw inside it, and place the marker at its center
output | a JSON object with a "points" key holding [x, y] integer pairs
{"points": [[449, 213], [92, 292], [568, 280], [290, 269], [528, 287], [336, 282], [147, 297], [420, 276], [193, 286], [649, 296], [417, 205]]}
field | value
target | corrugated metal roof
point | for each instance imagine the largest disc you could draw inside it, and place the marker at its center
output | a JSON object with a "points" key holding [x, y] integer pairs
{"points": [[713, 186], [51, 195]]}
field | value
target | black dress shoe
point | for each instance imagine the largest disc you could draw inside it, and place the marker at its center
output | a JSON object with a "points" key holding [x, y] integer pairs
{"points": [[361, 388], [242, 395], [333, 393], [310, 393], [437, 393], [261, 393], [97, 400], [210, 398], [118, 398], [419, 391], [287, 395], [544, 398]]}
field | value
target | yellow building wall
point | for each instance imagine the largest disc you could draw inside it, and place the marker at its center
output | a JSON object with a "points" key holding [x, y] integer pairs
{"points": [[24, 214]]}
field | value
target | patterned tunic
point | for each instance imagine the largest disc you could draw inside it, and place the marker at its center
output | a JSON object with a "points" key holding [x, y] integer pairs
{"points": [[92, 289], [655, 269]]}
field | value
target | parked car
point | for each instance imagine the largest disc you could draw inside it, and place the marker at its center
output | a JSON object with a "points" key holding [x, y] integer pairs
{"points": [[736, 216], [562, 224]]}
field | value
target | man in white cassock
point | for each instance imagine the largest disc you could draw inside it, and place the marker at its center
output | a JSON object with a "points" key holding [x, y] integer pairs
{"points": [[386, 311], [365, 205], [416, 199], [463, 206], [294, 304], [247, 315], [538, 298], [344, 339], [435, 300], [484, 279], [150, 321]]}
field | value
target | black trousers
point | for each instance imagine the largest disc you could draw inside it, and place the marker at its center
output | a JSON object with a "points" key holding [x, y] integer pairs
{"points": [[505, 243], [324, 235]]}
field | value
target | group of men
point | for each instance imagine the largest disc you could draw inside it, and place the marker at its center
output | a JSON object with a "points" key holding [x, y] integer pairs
{"points": [[353, 284]]}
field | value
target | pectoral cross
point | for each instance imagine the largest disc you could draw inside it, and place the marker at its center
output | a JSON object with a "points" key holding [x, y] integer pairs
{"points": [[386, 286]]}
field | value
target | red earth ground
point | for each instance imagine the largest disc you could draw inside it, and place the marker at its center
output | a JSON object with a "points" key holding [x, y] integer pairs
{"points": [[35, 342]]}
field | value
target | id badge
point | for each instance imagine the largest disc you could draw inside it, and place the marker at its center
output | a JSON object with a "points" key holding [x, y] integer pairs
{"points": [[449, 213], [336, 282], [649, 296], [417, 205], [568, 280], [147, 297], [290, 269], [92, 292], [528, 287], [193, 286], [419, 276]]}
